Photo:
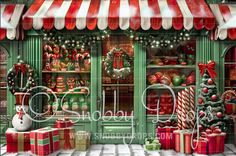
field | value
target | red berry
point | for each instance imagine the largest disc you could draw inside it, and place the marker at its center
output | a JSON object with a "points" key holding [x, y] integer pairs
{"points": [[210, 81], [219, 114], [205, 90], [200, 100], [201, 113], [213, 97]]}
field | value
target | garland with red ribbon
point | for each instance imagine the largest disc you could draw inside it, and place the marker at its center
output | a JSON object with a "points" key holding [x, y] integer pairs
{"points": [[12, 77], [209, 67], [118, 63]]}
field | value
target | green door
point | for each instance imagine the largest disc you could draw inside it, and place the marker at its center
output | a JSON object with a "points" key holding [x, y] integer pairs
{"points": [[116, 91]]}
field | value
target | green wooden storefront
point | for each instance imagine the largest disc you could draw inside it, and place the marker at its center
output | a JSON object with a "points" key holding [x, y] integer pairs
{"points": [[30, 50]]}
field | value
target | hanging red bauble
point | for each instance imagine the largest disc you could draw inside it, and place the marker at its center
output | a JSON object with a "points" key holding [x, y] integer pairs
{"points": [[205, 90], [200, 100], [219, 114], [201, 113], [200, 127], [214, 97], [210, 81]]}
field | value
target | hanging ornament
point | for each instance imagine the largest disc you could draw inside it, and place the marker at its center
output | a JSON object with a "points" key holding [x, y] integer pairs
{"points": [[200, 101], [201, 114], [214, 97], [205, 90], [210, 81], [219, 114]]}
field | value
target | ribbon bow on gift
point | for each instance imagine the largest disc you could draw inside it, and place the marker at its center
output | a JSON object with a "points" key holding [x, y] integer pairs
{"points": [[210, 67], [20, 113]]}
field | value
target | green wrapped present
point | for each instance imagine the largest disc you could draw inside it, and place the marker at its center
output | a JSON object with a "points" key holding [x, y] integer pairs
{"points": [[152, 144]]}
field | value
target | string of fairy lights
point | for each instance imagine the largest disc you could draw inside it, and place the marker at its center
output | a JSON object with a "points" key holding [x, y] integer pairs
{"points": [[148, 40]]}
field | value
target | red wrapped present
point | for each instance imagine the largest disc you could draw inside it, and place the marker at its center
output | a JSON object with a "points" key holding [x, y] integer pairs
{"points": [[63, 123], [17, 141], [44, 141], [200, 145], [67, 138], [183, 141], [230, 108], [166, 136], [216, 141]]}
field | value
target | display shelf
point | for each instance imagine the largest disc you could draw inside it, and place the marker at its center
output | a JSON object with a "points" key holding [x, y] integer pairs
{"points": [[66, 72], [230, 63], [230, 87], [171, 66], [3, 87], [173, 87], [3, 63], [117, 85], [70, 93], [151, 117]]}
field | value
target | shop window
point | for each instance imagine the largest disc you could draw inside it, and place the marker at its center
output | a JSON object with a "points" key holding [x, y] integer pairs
{"points": [[173, 64], [66, 74], [117, 76], [3, 84], [230, 69]]}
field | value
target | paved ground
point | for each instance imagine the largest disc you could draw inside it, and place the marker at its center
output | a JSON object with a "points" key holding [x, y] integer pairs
{"points": [[121, 150]]}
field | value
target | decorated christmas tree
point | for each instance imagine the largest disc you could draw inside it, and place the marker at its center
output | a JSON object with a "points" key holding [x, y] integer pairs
{"points": [[211, 109]]}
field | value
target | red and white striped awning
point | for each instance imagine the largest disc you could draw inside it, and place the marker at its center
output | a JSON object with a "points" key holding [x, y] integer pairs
{"points": [[226, 18], [9, 18], [123, 14]]}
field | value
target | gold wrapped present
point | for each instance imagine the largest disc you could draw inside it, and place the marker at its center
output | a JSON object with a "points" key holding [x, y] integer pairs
{"points": [[82, 140]]}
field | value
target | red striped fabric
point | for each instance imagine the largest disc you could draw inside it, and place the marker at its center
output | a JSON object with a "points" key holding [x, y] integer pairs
{"points": [[196, 12]]}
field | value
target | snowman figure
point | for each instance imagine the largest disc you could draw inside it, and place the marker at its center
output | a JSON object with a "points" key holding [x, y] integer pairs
{"points": [[20, 120]]}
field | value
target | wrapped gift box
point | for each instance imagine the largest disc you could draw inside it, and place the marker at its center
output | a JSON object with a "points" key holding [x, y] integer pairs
{"points": [[17, 141], [63, 123], [216, 142], [166, 136], [200, 146], [82, 140], [230, 108], [67, 138], [152, 144], [44, 141], [183, 141]]}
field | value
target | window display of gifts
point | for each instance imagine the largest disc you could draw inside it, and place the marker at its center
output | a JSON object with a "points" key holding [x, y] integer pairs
{"points": [[66, 134], [183, 140], [211, 142], [229, 98], [82, 140], [17, 141], [165, 134], [166, 103], [152, 144], [44, 141], [60, 84]]}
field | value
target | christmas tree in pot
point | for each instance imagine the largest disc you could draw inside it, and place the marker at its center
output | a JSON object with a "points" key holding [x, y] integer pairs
{"points": [[211, 109]]}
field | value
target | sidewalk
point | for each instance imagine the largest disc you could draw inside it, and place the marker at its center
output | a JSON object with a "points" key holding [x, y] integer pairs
{"points": [[120, 150]]}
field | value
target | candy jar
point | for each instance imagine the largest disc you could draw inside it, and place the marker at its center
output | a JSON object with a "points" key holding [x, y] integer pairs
{"points": [[74, 104], [71, 83], [65, 105]]}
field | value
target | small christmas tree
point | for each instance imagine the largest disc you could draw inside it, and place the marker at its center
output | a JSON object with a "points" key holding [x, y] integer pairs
{"points": [[211, 109]]}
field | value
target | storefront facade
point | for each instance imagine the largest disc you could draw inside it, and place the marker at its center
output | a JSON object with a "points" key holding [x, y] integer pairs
{"points": [[129, 90]]}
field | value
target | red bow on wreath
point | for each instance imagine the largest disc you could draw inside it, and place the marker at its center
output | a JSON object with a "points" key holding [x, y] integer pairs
{"points": [[210, 67], [118, 62], [20, 67]]}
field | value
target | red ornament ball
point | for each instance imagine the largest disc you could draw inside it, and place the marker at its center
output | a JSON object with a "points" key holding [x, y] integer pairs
{"points": [[200, 101], [201, 113], [208, 131], [214, 97], [205, 90], [210, 81], [219, 114], [152, 79]]}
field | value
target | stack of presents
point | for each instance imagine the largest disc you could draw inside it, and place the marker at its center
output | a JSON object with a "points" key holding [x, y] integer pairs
{"points": [[47, 140]]}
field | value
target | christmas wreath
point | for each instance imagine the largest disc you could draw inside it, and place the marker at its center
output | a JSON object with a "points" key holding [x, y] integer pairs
{"points": [[118, 63], [21, 69]]}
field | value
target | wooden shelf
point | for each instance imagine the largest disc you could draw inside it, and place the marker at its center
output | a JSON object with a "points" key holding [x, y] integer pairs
{"points": [[66, 72], [230, 63], [70, 93], [117, 85], [230, 87], [3, 87], [172, 66], [173, 87], [3, 63], [151, 117]]}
